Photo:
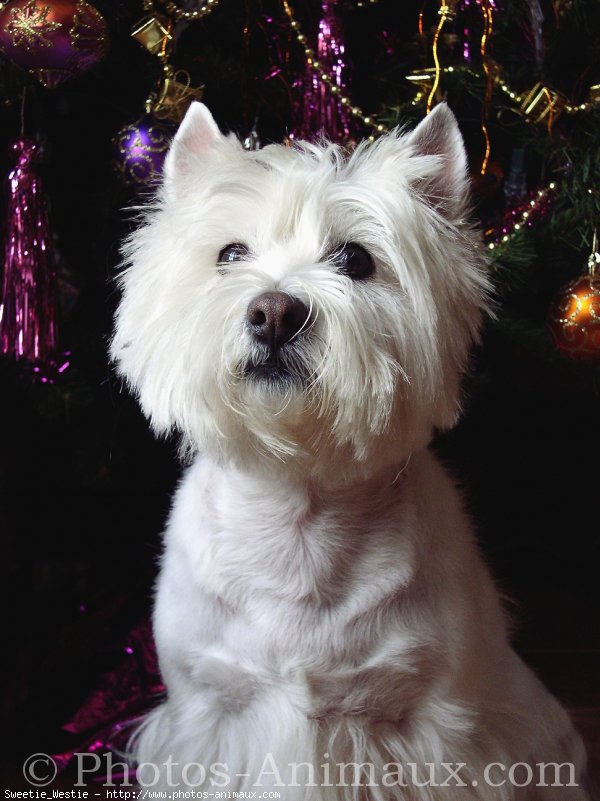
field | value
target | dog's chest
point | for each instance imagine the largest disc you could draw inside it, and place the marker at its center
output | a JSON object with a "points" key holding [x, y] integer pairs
{"points": [[254, 541], [279, 588]]}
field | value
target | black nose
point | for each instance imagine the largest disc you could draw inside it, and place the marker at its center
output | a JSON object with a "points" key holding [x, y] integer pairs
{"points": [[275, 318]]}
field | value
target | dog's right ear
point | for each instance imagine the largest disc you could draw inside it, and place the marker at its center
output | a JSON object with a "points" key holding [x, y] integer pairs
{"points": [[438, 136], [195, 139]]}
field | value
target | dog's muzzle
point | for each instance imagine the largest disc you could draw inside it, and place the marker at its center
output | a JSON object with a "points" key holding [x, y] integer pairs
{"points": [[274, 320]]}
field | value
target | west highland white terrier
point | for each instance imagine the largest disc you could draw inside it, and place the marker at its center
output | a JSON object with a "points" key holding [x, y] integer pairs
{"points": [[325, 624]]}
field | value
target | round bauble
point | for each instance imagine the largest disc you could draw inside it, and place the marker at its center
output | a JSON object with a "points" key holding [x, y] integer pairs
{"points": [[574, 319], [52, 39], [141, 149]]}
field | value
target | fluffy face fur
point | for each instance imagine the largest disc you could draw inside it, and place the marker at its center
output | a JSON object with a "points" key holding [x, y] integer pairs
{"points": [[378, 362], [302, 317]]}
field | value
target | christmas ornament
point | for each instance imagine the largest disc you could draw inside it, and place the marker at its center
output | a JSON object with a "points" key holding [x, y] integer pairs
{"points": [[424, 80], [536, 25], [141, 149], [252, 141], [27, 304], [328, 80], [543, 105], [322, 110], [174, 95], [574, 319], [595, 93], [52, 39], [515, 186], [153, 33]]}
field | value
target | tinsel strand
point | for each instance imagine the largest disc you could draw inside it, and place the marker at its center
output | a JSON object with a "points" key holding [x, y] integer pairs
{"points": [[28, 304]]}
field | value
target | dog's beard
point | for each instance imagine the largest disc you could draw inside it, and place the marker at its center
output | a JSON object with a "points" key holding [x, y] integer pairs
{"points": [[281, 371]]}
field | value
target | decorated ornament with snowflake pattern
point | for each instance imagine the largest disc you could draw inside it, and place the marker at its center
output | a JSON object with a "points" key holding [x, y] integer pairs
{"points": [[52, 39]]}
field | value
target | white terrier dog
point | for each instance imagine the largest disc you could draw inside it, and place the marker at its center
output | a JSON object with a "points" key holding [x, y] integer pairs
{"points": [[325, 624]]}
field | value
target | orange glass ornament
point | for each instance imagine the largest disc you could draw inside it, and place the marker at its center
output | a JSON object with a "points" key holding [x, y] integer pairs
{"points": [[574, 318]]}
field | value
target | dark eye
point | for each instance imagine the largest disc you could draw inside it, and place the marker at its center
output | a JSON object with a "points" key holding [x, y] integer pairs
{"points": [[233, 252], [354, 261]]}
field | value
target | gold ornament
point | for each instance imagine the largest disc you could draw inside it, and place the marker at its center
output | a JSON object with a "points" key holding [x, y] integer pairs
{"points": [[595, 93], [543, 105], [422, 78], [153, 33], [574, 319], [29, 26], [174, 96], [423, 81]]}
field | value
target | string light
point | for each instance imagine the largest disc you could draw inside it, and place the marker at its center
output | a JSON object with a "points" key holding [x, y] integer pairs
{"points": [[494, 238], [568, 108], [518, 98], [521, 219], [180, 14], [508, 91], [329, 80]]}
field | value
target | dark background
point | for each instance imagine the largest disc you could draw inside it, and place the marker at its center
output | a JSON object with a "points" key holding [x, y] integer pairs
{"points": [[85, 487]]}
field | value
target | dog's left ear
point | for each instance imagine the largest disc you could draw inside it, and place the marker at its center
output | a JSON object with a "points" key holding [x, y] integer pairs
{"points": [[443, 184], [196, 137]]}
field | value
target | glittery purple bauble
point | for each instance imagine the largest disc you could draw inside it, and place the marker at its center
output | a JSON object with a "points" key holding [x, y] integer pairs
{"points": [[53, 39], [141, 150]]}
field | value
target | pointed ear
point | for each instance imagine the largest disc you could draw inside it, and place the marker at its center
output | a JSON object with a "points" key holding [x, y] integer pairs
{"points": [[446, 186], [196, 137]]}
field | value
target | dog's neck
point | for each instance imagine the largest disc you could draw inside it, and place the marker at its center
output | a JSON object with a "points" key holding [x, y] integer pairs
{"points": [[313, 534], [323, 486]]}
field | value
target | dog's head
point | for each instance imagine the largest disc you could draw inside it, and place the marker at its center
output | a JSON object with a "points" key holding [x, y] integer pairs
{"points": [[303, 304]]}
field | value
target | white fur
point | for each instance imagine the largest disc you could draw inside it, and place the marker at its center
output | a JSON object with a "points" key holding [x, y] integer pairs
{"points": [[320, 590]]}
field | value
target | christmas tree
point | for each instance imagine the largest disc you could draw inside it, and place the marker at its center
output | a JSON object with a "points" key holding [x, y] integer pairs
{"points": [[86, 487]]}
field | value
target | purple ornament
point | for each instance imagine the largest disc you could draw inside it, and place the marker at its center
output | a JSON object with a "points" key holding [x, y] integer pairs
{"points": [[141, 149], [321, 110], [28, 301], [53, 39]]}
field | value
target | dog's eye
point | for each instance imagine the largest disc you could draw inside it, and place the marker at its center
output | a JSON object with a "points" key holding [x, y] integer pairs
{"points": [[233, 252], [354, 261]]}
